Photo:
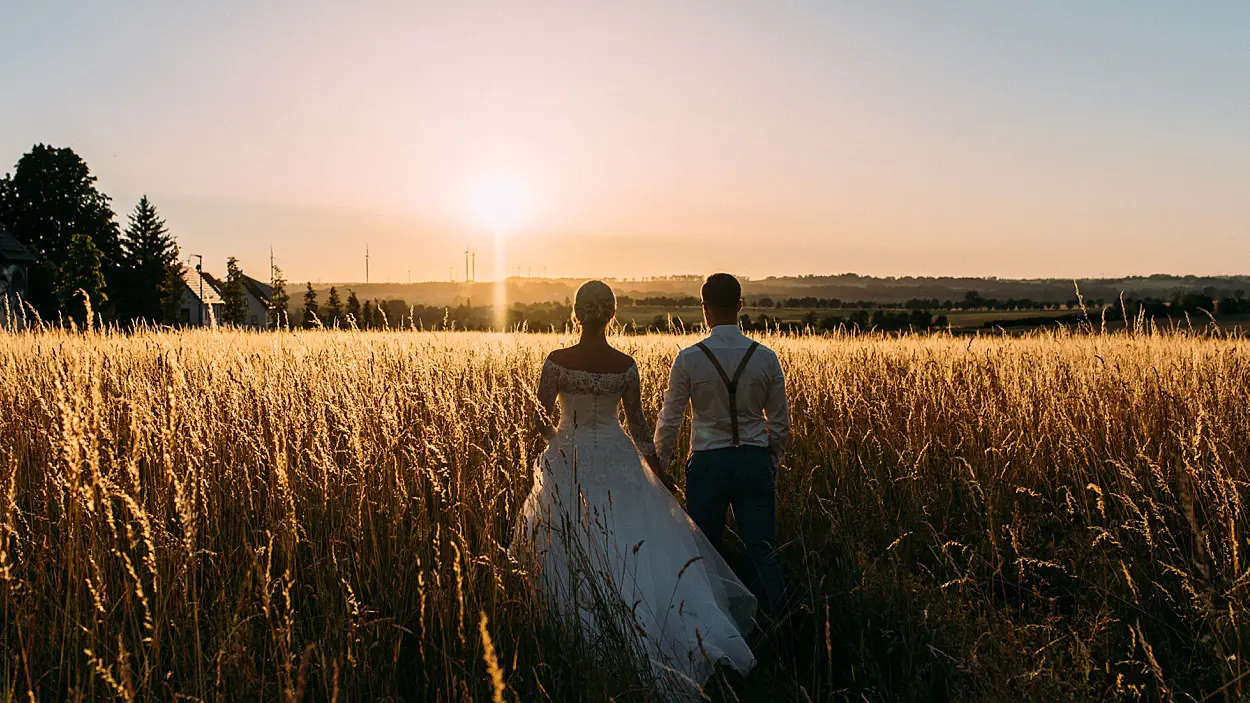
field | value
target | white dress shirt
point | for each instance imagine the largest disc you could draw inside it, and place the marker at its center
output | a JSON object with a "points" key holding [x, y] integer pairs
{"points": [[763, 412]]}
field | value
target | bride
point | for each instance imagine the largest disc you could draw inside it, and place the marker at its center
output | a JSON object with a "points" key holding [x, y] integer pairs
{"points": [[615, 555]]}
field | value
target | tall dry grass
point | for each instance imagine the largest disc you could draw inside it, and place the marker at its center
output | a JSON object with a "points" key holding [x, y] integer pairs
{"points": [[325, 516]]}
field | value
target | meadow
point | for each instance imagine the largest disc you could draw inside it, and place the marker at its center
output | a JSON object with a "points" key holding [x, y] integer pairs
{"points": [[220, 515]]}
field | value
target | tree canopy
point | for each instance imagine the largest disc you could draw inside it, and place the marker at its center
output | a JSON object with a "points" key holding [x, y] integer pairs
{"points": [[81, 275], [279, 300], [353, 308], [334, 308], [233, 297], [311, 318], [51, 197]]}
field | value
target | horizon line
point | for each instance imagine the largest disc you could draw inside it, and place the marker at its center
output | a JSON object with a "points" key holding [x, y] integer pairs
{"points": [[750, 279]]}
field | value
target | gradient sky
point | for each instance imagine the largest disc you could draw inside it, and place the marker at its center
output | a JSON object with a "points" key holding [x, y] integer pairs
{"points": [[890, 138]]}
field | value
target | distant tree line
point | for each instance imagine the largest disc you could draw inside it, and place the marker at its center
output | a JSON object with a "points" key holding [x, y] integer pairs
{"points": [[1208, 299], [972, 300], [861, 320], [395, 314], [338, 312], [1180, 304], [50, 203], [659, 301]]}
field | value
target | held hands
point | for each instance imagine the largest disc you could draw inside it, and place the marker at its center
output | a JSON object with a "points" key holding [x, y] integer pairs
{"points": [[668, 482], [653, 462]]}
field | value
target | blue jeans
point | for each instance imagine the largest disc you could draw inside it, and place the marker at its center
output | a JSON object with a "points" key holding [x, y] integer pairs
{"points": [[744, 478]]}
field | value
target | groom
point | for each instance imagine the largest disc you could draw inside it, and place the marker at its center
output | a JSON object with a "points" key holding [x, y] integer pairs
{"points": [[738, 434]]}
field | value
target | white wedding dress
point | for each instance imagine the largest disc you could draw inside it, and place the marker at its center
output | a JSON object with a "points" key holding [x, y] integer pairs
{"points": [[614, 552]]}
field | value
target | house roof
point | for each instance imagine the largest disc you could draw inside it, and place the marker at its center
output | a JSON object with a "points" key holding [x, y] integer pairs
{"points": [[251, 286], [11, 249], [213, 281], [211, 293], [261, 291]]}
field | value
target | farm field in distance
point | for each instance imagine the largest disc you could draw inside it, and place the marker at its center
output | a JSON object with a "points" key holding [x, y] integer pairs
{"points": [[692, 317], [325, 515]]}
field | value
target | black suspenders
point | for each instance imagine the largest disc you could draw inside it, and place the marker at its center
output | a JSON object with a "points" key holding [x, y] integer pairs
{"points": [[731, 384]]}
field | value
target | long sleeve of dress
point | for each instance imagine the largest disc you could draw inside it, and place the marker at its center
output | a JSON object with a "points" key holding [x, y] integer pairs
{"points": [[548, 389], [635, 418]]}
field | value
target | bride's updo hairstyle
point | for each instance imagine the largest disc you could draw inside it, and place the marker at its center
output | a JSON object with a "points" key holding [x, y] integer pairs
{"points": [[595, 304]]}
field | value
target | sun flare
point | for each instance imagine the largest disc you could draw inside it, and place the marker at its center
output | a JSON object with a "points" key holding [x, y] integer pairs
{"points": [[499, 201]]}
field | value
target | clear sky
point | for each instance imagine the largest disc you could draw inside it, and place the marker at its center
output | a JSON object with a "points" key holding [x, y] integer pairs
{"points": [[888, 138]]}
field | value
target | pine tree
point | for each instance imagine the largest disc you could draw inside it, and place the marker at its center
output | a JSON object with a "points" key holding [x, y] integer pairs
{"points": [[379, 316], [82, 271], [367, 316], [279, 301], [353, 308], [334, 308], [233, 295], [311, 318], [152, 288]]}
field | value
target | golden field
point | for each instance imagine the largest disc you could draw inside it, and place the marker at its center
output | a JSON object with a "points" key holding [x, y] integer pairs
{"points": [[221, 515]]}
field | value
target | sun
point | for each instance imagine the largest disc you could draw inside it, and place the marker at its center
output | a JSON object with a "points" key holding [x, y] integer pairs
{"points": [[499, 201]]}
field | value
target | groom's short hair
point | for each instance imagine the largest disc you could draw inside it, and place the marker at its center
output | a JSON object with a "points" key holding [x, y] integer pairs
{"points": [[722, 291]]}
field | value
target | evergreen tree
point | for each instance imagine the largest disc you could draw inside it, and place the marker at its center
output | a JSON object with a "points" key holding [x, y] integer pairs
{"points": [[353, 308], [379, 316], [152, 288], [367, 314], [49, 198], [233, 297], [172, 292], [81, 272], [279, 301], [334, 308], [311, 318]]}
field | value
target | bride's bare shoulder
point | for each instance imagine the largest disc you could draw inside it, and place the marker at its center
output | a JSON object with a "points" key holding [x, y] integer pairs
{"points": [[622, 360], [595, 360], [615, 361], [562, 357]]}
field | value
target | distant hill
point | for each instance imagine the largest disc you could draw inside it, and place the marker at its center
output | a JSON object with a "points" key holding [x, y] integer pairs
{"points": [[847, 287]]}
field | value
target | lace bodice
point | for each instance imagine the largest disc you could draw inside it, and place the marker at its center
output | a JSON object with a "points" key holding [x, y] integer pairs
{"points": [[588, 401]]}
